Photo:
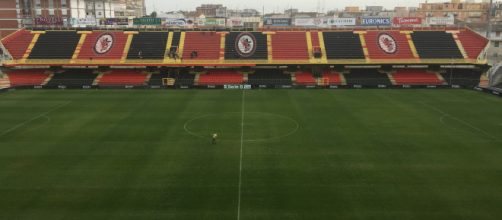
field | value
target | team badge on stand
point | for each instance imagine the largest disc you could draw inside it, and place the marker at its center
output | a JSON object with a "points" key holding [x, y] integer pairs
{"points": [[245, 44], [387, 43], [104, 44]]}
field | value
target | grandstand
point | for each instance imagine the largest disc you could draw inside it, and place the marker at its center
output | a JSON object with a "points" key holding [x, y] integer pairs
{"points": [[362, 57], [312, 124]]}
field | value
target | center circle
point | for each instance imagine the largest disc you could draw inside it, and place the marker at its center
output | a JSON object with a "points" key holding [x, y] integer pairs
{"points": [[256, 126]]}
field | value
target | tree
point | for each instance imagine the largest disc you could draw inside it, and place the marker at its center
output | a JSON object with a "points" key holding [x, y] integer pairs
{"points": [[153, 14]]}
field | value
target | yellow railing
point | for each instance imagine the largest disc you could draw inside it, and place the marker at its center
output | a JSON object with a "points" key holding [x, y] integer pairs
{"points": [[160, 62]]}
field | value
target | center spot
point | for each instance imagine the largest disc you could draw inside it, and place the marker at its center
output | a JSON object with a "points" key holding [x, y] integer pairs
{"points": [[258, 126]]}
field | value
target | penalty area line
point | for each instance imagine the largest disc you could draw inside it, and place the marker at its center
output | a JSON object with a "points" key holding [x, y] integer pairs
{"points": [[44, 114], [444, 114]]}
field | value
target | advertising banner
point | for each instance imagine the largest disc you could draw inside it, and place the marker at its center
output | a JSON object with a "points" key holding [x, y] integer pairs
{"points": [[114, 21], [83, 22], [403, 21], [342, 21], [147, 21], [441, 20], [213, 22], [177, 22], [49, 21], [277, 22], [235, 22], [376, 22], [306, 22]]}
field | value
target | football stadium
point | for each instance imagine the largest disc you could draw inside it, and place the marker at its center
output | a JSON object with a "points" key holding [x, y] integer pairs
{"points": [[268, 123]]}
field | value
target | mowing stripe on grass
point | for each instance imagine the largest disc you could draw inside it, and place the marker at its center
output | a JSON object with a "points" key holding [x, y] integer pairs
{"points": [[240, 161], [33, 119]]}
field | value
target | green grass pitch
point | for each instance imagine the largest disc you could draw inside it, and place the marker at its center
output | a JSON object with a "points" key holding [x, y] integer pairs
{"points": [[299, 154]]}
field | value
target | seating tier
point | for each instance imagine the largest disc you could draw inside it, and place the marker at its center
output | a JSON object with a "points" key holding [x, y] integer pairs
{"points": [[73, 78], [28, 77], [55, 45], [343, 45], [289, 46], [205, 44], [269, 77], [369, 77], [148, 45], [472, 42], [221, 77], [436, 45], [123, 77], [387, 45], [18, 43], [89, 50], [416, 77]]}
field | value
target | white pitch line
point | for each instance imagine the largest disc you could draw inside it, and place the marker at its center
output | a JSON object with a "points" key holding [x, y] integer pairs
{"points": [[460, 120], [240, 161], [32, 119]]}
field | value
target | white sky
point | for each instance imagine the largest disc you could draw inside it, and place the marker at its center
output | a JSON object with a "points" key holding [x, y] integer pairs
{"points": [[279, 5]]}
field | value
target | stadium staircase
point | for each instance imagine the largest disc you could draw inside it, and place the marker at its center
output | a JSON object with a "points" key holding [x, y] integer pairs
{"points": [[205, 44], [290, 46], [123, 77], [484, 81], [343, 45], [55, 45], [17, 43], [28, 77], [390, 76], [148, 46], [97, 79], [116, 52], [367, 77], [4, 81], [221, 77], [76, 78], [436, 45], [403, 50], [472, 42], [416, 77]]}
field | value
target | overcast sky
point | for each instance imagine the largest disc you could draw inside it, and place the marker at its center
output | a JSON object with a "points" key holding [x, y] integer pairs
{"points": [[278, 5]]}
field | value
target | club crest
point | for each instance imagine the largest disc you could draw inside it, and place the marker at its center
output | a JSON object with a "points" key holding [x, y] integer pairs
{"points": [[104, 44], [387, 43], [245, 44]]}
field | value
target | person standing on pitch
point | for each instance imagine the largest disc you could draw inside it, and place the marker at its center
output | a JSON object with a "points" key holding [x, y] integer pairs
{"points": [[215, 136]]}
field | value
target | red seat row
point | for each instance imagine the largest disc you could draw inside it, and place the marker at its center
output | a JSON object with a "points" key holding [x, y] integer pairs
{"points": [[290, 46], [123, 77], [205, 44], [416, 77], [28, 77], [221, 77]]}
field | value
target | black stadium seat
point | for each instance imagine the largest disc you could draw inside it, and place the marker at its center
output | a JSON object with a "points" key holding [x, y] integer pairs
{"points": [[55, 45], [148, 45], [73, 78], [156, 79], [367, 77], [343, 45], [269, 77], [462, 77], [436, 45]]}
